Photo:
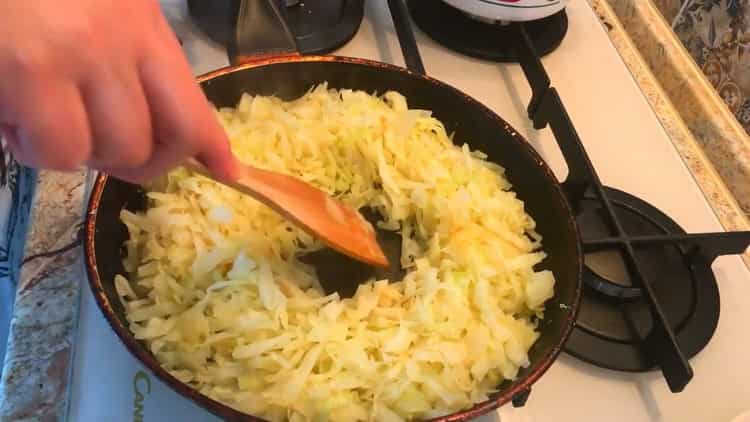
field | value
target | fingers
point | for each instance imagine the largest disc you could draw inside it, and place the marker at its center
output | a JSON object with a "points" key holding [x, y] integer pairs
{"points": [[119, 117], [184, 123], [50, 125], [131, 107], [163, 158]]}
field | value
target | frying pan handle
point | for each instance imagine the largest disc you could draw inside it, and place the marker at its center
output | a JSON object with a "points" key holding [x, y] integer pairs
{"points": [[402, 22], [261, 32]]}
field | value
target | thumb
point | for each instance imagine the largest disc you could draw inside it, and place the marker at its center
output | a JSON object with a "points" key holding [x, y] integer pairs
{"points": [[217, 156]]}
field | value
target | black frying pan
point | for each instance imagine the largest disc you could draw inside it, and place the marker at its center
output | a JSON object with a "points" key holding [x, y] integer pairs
{"points": [[291, 76]]}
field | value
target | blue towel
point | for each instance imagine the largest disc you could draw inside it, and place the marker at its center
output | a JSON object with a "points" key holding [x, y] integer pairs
{"points": [[17, 184]]}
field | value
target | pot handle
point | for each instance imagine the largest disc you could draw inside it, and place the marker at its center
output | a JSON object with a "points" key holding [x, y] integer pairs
{"points": [[261, 32], [402, 22]]}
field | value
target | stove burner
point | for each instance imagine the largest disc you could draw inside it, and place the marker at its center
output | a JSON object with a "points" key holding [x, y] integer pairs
{"points": [[490, 41], [319, 27], [614, 320]]}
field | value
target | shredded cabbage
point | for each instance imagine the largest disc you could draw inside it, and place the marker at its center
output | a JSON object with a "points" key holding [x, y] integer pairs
{"points": [[217, 290]]}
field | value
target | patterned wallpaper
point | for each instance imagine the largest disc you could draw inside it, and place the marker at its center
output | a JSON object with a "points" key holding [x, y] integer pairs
{"points": [[717, 35], [669, 8]]}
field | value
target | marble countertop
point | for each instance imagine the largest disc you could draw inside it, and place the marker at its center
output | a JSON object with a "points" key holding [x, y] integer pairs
{"points": [[37, 370], [36, 373]]}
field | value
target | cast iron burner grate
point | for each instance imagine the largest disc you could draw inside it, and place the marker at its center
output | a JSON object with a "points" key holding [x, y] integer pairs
{"points": [[614, 317], [490, 41], [663, 306], [654, 250]]}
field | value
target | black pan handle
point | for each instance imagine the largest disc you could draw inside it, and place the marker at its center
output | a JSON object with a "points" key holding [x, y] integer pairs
{"points": [[261, 32], [402, 22]]}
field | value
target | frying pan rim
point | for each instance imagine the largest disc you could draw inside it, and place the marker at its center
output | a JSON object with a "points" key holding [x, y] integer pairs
{"points": [[225, 411]]}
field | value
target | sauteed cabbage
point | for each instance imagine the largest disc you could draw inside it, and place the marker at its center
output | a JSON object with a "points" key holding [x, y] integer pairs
{"points": [[222, 300]]}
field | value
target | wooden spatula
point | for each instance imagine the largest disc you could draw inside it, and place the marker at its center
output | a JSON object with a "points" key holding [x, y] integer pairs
{"points": [[338, 225]]}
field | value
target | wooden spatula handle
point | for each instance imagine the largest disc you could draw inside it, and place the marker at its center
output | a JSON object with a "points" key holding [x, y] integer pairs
{"points": [[241, 185], [195, 166]]}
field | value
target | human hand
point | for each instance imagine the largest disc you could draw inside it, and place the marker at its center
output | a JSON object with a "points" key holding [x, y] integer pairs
{"points": [[102, 83]]}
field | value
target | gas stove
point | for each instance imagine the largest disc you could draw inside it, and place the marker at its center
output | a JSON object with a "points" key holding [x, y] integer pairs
{"points": [[661, 326]]}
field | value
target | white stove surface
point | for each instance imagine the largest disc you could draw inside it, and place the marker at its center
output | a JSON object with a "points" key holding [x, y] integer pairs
{"points": [[629, 150]]}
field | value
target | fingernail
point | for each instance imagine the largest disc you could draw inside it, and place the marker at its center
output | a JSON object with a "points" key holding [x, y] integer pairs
{"points": [[9, 135], [235, 169]]}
